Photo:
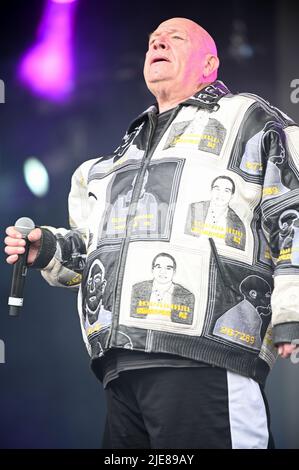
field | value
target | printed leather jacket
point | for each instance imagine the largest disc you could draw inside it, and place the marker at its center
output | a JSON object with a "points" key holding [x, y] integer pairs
{"points": [[190, 247]]}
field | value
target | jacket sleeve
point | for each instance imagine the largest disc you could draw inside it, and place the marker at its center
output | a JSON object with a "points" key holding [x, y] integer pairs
{"points": [[280, 223], [62, 254]]}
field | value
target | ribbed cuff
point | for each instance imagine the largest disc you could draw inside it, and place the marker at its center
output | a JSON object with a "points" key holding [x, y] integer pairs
{"points": [[47, 250], [285, 332]]}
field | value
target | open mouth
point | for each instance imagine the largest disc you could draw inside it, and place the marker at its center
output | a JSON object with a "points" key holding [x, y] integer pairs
{"points": [[159, 59]]}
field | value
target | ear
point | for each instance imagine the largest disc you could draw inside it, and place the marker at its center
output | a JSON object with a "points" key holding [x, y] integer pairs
{"points": [[211, 64]]}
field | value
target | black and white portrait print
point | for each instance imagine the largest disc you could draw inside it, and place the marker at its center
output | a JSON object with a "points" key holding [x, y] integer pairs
{"points": [[202, 133], [161, 298], [279, 177], [156, 193], [96, 316], [246, 322], [215, 218], [98, 285], [146, 216], [289, 237]]}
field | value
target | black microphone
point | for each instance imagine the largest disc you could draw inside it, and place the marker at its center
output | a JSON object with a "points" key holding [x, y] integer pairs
{"points": [[24, 225]]}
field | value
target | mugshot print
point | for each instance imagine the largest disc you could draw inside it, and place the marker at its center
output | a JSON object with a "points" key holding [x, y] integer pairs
{"points": [[279, 177], [247, 321], [202, 133], [96, 317], [146, 217], [161, 298], [215, 218], [289, 237], [152, 213]]}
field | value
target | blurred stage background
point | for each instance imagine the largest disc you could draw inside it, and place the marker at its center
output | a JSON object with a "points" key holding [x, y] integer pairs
{"points": [[48, 396]]}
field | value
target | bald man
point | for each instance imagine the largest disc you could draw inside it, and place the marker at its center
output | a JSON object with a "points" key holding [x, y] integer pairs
{"points": [[180, 61], [185, 384]]}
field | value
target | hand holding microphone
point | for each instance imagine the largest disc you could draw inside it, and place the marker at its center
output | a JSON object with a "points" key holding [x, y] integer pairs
{"points": [[22, 246]]}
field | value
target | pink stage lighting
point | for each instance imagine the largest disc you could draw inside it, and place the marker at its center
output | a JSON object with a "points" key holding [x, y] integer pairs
{"points": [[63, 1], [47, 68]]}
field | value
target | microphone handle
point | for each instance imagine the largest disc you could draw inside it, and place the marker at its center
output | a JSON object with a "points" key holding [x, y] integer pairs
{"points": [[15, 300]]}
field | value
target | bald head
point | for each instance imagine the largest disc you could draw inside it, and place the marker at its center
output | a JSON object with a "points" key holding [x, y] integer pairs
{"points": [[181, 59], [205, 40]]}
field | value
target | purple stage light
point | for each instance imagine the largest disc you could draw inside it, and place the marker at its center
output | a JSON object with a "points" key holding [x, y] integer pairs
{"points": [[63, 1], [47, 68]]}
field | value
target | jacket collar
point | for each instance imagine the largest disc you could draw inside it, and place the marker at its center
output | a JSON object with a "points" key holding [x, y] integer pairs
{"points": [[207, 98]]}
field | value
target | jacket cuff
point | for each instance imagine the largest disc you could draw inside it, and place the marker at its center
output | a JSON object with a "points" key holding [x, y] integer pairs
{"points": [[46, 251], [285, 332]]}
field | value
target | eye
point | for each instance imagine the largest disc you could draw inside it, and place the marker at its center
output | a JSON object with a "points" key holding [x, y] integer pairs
{"points": [[97, 279], [178, 37], [253, 294]]}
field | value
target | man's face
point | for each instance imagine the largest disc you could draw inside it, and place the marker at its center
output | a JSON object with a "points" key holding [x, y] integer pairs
{"points": [[264, 300], [222, 192], [261, 299], [174, 55], [259, 295], [163, 270], [288, 221], [95, 287]]}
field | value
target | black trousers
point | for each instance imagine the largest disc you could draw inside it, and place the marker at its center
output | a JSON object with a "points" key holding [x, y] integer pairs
{"points": [[178, 408]]}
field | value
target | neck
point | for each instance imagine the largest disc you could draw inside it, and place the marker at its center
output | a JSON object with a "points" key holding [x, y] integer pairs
{"points": [[170, 98]]}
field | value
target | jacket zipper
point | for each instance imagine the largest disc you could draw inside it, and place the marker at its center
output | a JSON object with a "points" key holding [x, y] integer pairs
{"points": [[133, 207], [146, 160]]}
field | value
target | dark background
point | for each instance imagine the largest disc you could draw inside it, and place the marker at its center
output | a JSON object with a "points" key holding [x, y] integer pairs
{"points": [[49, 398]]}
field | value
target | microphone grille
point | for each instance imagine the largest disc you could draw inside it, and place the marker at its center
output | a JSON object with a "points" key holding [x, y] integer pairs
{"points": [[24, 225]]}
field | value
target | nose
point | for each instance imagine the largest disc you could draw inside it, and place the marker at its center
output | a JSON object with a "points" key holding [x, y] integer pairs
{"points": [[92, 286], [160, 43]]}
